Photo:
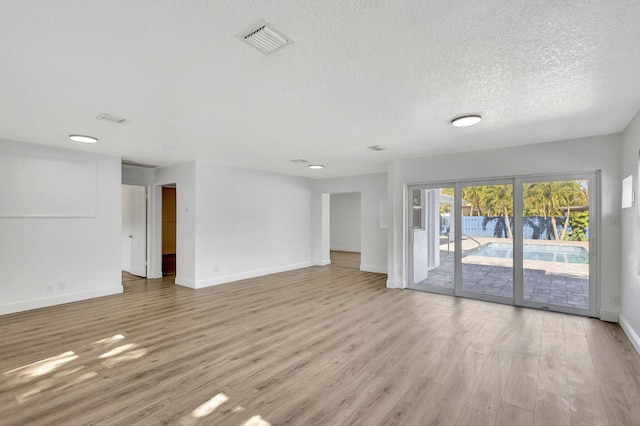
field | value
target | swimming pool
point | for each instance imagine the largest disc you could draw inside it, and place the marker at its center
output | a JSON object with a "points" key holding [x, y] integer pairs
{"points": [[544, 252]]}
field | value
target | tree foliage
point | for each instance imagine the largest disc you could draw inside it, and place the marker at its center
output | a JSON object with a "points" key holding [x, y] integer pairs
{"points": [[552, 200]]}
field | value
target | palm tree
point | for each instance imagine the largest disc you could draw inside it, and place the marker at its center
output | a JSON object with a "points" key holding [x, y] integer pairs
{"points": [[552, 199], [499, 198], [574, 197], [473, 195]]}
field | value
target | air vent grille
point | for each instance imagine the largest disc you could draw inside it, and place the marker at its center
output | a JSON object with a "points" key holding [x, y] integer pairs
{"points": [[111, 118], [267, 39], [376, 148]]}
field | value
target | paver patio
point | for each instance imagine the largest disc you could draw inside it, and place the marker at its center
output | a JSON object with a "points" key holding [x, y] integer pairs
{"points": [[554, 283]]}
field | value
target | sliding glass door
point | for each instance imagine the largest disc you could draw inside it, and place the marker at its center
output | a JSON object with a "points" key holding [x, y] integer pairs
{"points": [[556, 225], [525, 241], [432, 239], [486, 215]]}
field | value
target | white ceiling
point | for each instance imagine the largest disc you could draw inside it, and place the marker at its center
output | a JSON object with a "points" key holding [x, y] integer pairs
{"points": [[360, 73]]}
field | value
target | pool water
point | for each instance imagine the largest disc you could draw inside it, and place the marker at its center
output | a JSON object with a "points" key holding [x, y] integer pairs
{"points": [[544, 252]]}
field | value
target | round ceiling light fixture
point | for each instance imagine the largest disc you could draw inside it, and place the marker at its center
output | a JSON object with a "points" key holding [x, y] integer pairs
{"points": [[316, 166], [83, 138], [466, 120]]}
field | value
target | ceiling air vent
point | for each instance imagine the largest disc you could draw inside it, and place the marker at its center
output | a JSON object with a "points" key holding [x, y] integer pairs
{"points": [[111, 118], [267, 39], [376, 148]]}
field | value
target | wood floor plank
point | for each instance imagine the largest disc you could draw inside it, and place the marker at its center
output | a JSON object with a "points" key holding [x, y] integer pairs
{"points": [[321, 345], [580, 370], [587, 407], [552, 376], [522, 383], [551, 409], [509, 415]]}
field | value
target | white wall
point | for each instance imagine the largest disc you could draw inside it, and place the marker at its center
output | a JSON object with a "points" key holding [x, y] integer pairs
{"points": [[184, 176], [630, 291], [249, 223], [345, 222], [76, 258], [136, 175], [373, 193], [578, 155]]}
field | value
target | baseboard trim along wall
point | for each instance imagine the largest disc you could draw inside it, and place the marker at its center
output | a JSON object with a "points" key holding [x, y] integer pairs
{"points": [[250, 274], [44, 302], [185, 282], [630, 332], [323, 263], [609, 316], [393, 284], [376, 269]]}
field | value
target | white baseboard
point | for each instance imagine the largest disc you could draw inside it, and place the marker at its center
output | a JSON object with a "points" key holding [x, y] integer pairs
{"points": [[185, 282], [43, 302], [323, 263], [393, 284], [609, 316], [376, 269], [631, 333], [246, 275], [351, 250]]}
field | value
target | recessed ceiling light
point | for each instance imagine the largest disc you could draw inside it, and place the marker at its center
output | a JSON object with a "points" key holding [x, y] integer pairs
{"points": [[466, 120], [316, 166], [83, 139]]}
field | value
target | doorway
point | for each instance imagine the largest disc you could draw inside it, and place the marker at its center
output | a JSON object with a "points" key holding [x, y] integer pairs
{"points": [[169, 249], [134, 231], [527, 241], [432, 239], [345, 236]]}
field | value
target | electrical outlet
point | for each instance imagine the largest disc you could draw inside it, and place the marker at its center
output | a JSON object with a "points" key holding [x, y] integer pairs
{"points": [[613, 299], [50, 288], [62, 285]]}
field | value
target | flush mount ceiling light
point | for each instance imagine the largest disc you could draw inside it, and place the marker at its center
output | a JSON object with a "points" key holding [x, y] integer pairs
{"points": [[83, 138], [266, 38], [466, 120], [316, 166]]}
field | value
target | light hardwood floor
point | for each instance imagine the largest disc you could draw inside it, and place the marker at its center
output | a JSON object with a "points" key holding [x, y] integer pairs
{"points": [[317, 346], [345, 259]]}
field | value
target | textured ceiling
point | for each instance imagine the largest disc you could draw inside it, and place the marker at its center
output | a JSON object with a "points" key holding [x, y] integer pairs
{"points": [[360, 73]]}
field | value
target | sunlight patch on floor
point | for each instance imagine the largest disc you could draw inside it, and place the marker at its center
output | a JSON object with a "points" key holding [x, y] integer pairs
{"points": [[48, 374], [27, 372], [256, 421], [118, 350]]}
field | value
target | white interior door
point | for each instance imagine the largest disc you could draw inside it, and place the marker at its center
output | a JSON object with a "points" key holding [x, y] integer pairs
{"points": [[138, 235]]}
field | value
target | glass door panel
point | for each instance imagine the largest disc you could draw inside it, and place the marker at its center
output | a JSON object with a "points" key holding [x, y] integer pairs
{"points": [[431, 237], [487, 241], [555, 250]]}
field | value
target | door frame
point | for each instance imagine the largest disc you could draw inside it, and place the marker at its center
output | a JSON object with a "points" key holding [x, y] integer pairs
{"points": [[516, 242], [148, 225], [410, 250], [594, 239], [594, 178]]}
